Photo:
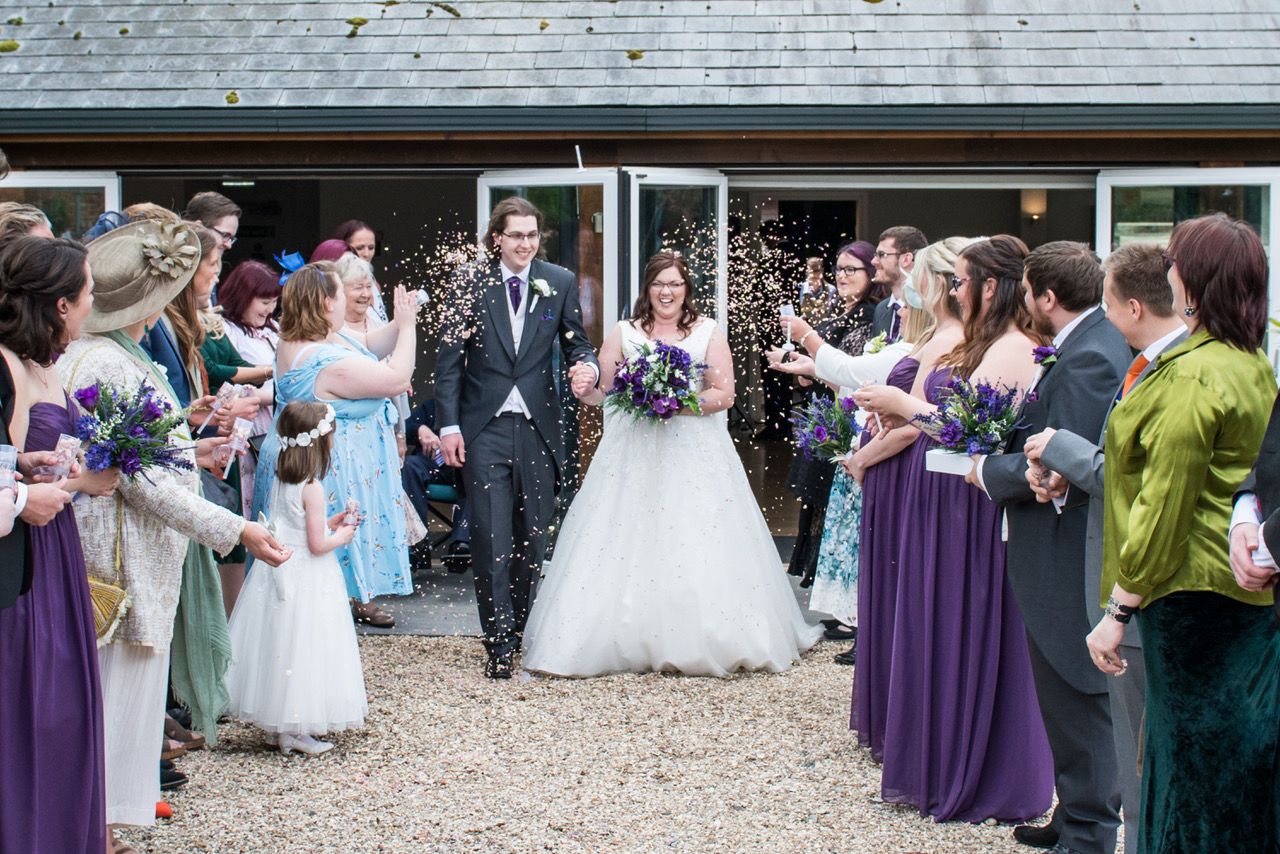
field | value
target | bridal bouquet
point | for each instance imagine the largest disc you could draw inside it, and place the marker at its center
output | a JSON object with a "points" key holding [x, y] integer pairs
{"points": [[825, 428], [655, 383], [128, 430], [973, 418]]}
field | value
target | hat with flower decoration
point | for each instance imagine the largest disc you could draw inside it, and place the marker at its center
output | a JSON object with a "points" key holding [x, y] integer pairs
{"points": [[137, 270]]}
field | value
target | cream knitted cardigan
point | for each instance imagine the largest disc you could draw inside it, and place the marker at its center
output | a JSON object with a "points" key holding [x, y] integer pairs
{"points": [[157, 519]]}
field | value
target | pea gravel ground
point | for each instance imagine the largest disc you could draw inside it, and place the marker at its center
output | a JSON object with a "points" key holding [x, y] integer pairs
{"points": [[449, 761]]}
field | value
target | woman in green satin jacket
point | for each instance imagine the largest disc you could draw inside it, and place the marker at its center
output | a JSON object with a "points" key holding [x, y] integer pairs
{"points": [[1178, 447]]}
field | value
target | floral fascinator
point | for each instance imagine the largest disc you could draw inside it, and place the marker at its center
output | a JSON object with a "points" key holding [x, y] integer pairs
{"points": [[138, 269]]}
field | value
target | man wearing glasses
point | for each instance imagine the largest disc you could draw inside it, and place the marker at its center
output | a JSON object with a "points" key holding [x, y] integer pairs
{"points": [[217, 213], [500, 413], [894, 259]]}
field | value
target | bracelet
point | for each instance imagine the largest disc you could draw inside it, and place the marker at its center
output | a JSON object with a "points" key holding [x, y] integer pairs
{"points": [[1119, 613], [804, 336]]}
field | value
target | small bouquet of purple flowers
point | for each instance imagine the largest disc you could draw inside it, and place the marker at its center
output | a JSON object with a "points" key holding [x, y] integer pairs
{"points": [[128, 431], [825, 428], [655, 383], [973, 418]]}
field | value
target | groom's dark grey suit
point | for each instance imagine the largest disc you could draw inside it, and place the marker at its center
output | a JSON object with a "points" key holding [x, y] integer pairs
{"points": [[1046, 567], [513, 461]]}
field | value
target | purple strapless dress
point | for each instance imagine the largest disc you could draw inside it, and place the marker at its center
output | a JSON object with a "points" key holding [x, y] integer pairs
{"points": [[880, 535], [963, 735], [52, 791]]}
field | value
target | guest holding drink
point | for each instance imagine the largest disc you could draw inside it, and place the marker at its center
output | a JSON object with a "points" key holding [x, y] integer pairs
{"points": [[140, 535], [963, 736], [1210, 646], [51, 776]]}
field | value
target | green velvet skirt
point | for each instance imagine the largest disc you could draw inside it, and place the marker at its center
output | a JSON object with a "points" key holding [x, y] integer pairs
{"points": [[1211, 743]]}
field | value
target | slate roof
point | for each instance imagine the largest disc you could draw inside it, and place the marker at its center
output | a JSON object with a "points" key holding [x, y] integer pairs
{"points": [[817, 54]]}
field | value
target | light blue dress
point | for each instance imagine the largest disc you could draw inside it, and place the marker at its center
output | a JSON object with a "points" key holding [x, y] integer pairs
{"points": [[835, 584], [364, 465]]}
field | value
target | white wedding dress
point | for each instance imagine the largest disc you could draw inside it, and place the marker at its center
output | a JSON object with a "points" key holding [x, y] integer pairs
{"points": [[665, 562]]}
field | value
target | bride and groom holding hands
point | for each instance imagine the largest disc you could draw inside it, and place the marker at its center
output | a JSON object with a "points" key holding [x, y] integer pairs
{"points": [[664, 561]]}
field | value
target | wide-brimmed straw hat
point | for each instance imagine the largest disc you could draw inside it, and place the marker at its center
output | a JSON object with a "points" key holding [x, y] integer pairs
{"points": [[137, 270]]}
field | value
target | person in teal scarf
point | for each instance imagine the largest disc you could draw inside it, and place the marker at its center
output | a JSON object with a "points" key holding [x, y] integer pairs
{"points": [[153, 537]]}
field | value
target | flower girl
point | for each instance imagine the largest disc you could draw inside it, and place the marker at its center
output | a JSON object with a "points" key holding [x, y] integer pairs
{"points": [[295, 669]]}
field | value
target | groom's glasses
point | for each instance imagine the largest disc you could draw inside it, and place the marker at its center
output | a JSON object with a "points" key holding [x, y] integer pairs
{"points": [[518, 237]]}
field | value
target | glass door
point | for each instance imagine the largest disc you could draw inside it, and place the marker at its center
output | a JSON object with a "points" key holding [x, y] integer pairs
{"points": [[579, 221], [685, 210], [1143, 205], [71, 200]]}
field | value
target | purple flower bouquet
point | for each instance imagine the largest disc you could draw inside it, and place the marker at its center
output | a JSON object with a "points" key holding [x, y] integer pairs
{"points": [[973, 418], [128, 431], [655, 383], [825, 428]]}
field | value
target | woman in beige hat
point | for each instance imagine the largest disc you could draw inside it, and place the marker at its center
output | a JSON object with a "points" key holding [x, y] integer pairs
{"points": [[148, 527]]}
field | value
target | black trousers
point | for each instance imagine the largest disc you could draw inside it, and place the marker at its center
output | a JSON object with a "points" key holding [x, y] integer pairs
{"points": [[510, 479]]}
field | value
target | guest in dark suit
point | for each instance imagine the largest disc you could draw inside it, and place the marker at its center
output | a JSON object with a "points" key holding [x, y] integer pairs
{"points": [[1046, 543], [1178, 447], [500, 413], [894, 260], [1256, 521], [1139, 303], [421, 469]]}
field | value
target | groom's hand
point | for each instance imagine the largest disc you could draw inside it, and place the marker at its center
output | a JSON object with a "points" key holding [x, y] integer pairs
{"points": [[582, 378], [454, 450]]}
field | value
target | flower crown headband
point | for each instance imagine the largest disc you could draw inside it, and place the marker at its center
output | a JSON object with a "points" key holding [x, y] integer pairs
{"points": [[305, 438]]}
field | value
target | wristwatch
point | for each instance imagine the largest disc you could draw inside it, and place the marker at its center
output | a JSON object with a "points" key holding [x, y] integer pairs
{"points": [[1119, 613]]}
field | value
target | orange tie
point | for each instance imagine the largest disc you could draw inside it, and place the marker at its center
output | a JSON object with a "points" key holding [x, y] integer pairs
{"points": [[1138, 366]]}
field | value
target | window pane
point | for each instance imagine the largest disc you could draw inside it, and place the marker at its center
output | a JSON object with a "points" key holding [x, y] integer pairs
{"points": [[71, 210], [683, 219], [1148, 214]]}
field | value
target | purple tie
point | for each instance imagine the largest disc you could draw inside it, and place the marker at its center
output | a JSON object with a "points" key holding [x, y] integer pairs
{"points": [[513, 286]]}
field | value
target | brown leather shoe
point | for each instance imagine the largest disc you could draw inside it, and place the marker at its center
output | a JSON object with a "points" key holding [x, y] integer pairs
{"points": [[372, 615]]}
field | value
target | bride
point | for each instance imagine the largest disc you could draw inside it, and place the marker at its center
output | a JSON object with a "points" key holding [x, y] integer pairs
{"points": [[665, 562]]}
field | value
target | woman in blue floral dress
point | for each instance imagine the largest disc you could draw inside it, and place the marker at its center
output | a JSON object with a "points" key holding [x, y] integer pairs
{"points": [[316, 363]]}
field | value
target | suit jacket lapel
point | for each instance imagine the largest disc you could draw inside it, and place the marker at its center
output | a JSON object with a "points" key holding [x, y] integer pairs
{"points": [[533, 310], [496, 300]]}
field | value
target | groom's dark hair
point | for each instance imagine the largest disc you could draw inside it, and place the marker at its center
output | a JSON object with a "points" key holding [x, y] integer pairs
{"points": [[510, 206]]}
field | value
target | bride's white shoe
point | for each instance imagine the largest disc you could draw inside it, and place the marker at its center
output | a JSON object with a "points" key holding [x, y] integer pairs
{"points": [[303, 744]]}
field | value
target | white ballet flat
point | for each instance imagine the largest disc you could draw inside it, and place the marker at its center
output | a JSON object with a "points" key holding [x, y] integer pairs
{"points": [[303, 744]]}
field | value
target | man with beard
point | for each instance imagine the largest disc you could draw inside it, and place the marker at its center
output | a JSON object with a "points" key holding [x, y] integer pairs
{"points": [[895, 258], [1045, 557]]}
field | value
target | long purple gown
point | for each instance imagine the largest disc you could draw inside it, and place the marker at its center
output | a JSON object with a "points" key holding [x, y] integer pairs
{"points": [[52, 791], [963, 735], [880, 536]]}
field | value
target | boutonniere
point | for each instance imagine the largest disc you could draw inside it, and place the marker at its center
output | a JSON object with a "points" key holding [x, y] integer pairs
{"points": [[875, 345], [540, 289], [1045, 356]]}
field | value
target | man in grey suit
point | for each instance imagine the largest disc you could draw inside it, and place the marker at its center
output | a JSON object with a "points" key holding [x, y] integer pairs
{"points": [[894, 260], [1139, 303], [497, 401], [1046, 545]]}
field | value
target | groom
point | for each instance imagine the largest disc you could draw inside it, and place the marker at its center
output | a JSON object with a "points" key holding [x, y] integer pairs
{"points": [[501, 413]]}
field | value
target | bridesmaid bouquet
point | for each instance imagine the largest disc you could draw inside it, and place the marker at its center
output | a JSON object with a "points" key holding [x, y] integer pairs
{"points": [[825, 428], [655, 383], [128, 430], [973, 418]]}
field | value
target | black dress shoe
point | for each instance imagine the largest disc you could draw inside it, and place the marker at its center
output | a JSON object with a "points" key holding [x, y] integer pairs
{"points": [[498, 666], [1037, 836], [849, 656], [170, 780], [839, 633], [831, 623], [166, 764]]}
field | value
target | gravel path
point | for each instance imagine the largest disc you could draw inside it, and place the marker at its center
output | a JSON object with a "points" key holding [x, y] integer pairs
{"points": [[450, 761]]}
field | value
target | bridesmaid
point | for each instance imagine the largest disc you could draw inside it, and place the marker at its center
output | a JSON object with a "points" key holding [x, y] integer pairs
{"points": [[963, 735], [884, 470], [51, 779]]}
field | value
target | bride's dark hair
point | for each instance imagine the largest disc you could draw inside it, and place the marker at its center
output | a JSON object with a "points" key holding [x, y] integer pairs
{"points": [[665, 259]]}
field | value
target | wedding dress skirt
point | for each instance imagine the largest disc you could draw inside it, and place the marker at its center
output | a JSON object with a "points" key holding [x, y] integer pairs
{"points": [[665, 562]]}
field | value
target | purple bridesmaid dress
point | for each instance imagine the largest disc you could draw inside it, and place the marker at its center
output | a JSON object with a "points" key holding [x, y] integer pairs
{"points": [[52, 792], [880, 538], [963, 735]]}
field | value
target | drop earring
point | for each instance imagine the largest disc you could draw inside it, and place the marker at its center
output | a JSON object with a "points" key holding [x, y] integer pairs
{"points": [[1189, 311]]}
